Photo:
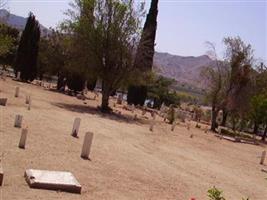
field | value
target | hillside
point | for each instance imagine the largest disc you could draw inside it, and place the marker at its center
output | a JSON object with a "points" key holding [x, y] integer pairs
{"points": [[18, 22], [185, 70]]}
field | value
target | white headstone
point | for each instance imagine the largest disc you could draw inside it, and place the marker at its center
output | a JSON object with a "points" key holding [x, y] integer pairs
{"points": [[263, 155], [173, 125], [28, 98], [88, 138], [219, 130], [23, 138], [18, 121], [188, 124], [120, 98], [76, 126], [206, 129], [152, 123], [17, 92], [1, 175], [18, 76], [30, 103]]}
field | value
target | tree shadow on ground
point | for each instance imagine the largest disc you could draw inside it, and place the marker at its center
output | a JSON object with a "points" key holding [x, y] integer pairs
{"points": [[87, 109]]}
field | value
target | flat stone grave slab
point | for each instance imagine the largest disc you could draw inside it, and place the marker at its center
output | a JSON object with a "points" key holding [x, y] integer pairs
{"points": [[52, 180], [227, 138]]}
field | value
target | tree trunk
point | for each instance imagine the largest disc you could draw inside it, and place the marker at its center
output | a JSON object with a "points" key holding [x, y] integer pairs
{"points": [[264, 134], [255, 131], [225, 114], [214, 114], [106, 91]]}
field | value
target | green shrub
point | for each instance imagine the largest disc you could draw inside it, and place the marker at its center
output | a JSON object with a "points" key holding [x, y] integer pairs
{"points": [[215, 194]]}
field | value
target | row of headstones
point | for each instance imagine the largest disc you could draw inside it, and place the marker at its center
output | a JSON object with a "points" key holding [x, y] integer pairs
{"points": [[28, 97], [76, 125], [174, 123]]}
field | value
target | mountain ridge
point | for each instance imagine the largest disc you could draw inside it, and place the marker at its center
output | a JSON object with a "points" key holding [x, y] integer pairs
{"points": [[18, 22]]}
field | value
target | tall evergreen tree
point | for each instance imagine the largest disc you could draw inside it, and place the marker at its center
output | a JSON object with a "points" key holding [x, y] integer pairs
{"points": [[27, 53], [144, 55]]}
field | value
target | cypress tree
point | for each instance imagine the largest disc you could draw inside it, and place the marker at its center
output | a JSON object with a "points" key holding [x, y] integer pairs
{"points": [[145, 53], [27, 53]]}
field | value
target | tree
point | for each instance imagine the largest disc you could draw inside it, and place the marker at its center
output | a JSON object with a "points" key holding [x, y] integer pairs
{"points": [[258, 112], [240, 58], [216, 81], [144, 57], [27, 53], [8, 44], [258, 100], [110, 41], [229, 84], [160, 91]]}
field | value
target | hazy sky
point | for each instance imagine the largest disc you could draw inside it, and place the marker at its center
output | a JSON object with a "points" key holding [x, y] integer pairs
{"points": [[183, 26]]}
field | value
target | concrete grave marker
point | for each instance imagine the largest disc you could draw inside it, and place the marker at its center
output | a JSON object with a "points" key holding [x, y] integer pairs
{"points": [[28, 98], [18, 121], [188, 124], [173, 125], [30, 103], [263, 155], [76, 126], [18, 76], [88, 138], [23, 137], [119, 100], [1, 175], [3, 101], [153, 115], [143, 112], [152, 123], [52, 180], [17, 92]]}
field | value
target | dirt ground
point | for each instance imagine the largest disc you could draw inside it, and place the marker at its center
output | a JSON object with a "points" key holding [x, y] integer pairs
{"points": [[127, 160]]}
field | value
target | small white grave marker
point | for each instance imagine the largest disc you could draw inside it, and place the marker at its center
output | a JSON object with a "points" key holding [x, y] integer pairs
{"points": [[17, 92], [28, 98], [152, 123], [88, 138], [23, 137], [18, 121], [18, 76], [263, 155], [188, 124], [76, 126], [30, 103], [1, 175], [120, 98], [173, 125]]}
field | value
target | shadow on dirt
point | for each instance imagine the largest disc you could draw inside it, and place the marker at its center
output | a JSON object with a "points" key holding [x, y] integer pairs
{"points": [[86, 109]]}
